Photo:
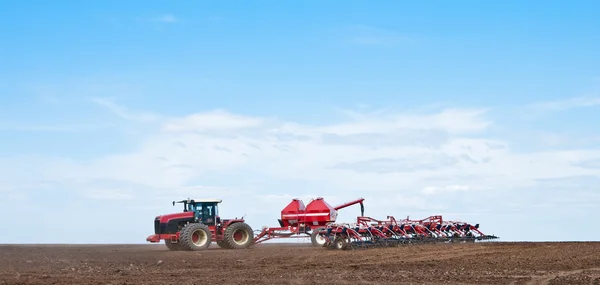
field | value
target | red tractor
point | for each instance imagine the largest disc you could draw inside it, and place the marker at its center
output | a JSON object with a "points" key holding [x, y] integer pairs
{"points": [[198, 225]]}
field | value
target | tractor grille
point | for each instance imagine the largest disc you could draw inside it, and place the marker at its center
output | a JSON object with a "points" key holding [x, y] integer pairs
{"points": [[157, 226]]}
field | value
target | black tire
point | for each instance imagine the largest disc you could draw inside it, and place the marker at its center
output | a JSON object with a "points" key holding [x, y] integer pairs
{"points": [[222, 244], [340, 243], [316, 239], [246, 238], [195, 237], [173, 246]]}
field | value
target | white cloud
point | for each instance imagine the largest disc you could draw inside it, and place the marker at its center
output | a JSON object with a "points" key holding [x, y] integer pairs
{"points": [[213, 121], [19, 127], [565, 104], [124, 112], [109, 194], [403, 164], [373, 36], [450, 188], [451, 121], [161, 20], [166, 18]]}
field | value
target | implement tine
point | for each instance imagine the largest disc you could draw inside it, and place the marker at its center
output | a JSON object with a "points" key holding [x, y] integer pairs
{"points": [[431, 230]]}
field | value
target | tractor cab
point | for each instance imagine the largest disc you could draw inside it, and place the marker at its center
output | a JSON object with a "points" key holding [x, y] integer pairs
{"points": [[205, 211]]}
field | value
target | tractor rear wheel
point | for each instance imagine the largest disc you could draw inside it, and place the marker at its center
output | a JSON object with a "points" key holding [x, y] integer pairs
{"points": [[239, 235], [316, 239], [173, 246], [195, 237]]}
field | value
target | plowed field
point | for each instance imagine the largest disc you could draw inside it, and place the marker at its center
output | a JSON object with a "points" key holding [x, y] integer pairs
{"points": [[481, 263]]}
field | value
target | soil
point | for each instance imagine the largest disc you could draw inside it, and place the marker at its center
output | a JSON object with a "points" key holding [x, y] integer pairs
{"points": [[479, 263]]}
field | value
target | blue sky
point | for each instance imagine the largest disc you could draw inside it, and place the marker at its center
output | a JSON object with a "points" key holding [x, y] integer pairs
{"points": [[483, 112]]}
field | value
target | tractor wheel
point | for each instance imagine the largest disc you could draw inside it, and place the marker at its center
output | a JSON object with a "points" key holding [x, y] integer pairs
{"points": [[195, 237], [223, 244], [239, 235], [173, 246], [316, 239]]}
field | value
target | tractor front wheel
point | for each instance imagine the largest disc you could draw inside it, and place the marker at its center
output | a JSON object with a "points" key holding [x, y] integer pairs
{"points": [[239, 235], [195, 237]]}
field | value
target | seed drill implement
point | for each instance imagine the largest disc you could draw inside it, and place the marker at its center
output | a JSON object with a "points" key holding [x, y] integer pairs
{"points": [[368, 232]]}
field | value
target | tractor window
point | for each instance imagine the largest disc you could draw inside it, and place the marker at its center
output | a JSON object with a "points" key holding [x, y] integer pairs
{"points": [[205, 213]]}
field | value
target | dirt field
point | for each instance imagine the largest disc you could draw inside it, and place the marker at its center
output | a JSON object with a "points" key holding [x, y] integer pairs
{"points": [[485, 263]]}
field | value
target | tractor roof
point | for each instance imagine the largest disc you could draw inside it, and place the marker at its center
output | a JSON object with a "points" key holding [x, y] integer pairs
{"points": [[207, 200]]}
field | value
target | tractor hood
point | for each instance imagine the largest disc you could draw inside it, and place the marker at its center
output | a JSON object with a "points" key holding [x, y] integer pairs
{"points": [[183, 215]]}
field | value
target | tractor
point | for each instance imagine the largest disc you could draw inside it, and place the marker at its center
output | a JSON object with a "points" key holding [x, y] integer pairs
{"points": [[198, 226]]}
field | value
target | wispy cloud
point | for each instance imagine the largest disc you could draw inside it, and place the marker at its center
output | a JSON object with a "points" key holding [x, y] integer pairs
{"points": [[49, 99], [430, 190], [166, 18], [162, 19], [124, 112], [566, 104], [372, 36], [51, 128], [215, 120]]}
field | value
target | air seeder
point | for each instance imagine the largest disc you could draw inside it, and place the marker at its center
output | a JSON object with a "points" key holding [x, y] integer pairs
{"points": [[200, 224], [299, 221]]}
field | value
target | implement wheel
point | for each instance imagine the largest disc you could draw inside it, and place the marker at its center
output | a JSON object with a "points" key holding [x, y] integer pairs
{"points": [[340, 243], [239, 235], [195, 237], [316, 239]]}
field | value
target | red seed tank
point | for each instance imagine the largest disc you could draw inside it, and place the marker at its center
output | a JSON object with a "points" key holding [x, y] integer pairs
{"points": [[319, 213], [316, 213], [290, 214]]}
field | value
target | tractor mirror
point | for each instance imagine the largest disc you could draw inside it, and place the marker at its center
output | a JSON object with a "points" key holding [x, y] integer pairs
{"points": [[173, 203]]}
